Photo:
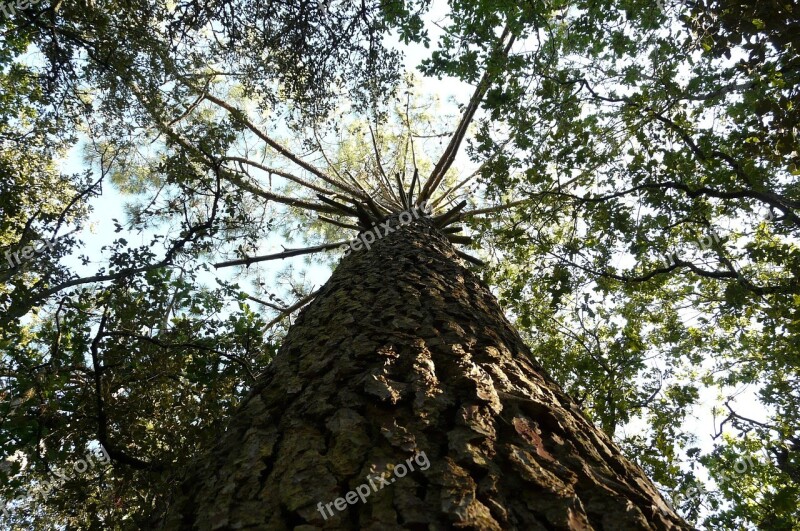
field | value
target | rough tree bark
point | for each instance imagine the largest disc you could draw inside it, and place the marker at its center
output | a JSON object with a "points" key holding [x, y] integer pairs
{"points": [[404, 351]]}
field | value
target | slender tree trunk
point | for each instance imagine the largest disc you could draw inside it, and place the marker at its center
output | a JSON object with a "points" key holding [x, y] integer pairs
{"points": [[405, 354]]}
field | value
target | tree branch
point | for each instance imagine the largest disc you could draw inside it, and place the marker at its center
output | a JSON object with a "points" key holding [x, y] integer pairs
{"points": [[450, 216], [341, 224], [449, 155], [234, 357], [470, 259], [239, 115], [102, 419], [286, 254], [288, 311], [286, 175]]}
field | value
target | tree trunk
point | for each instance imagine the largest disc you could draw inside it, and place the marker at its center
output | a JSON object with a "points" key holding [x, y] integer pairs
{"points": [[405, 358]]}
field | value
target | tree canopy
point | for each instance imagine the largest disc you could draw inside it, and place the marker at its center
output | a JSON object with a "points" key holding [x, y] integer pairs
{"points": [[625, 173]]}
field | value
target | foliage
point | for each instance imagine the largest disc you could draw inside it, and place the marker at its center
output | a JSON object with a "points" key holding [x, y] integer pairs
{"points": [[610, 135]]}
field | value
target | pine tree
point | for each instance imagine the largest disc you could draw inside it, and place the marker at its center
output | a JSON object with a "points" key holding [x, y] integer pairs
{"points": [[404, 352], [405, 358]]}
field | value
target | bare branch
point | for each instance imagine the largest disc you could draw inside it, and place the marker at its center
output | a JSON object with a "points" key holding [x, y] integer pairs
{"points": [[341, 224], [449, 216], [403, 196], [378, 161], [461, 240], [411, 188], [191, 107], [492, 210], [449, 155], [227, 174], [470, 259], [284, 174], [471, 176], [286, 254], [266, 303], [339, 208], [376, 209], [327, 160], [239, 115], [232, 178]]}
